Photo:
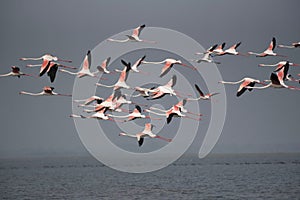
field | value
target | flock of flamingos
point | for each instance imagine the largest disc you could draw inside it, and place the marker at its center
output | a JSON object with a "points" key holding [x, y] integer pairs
{"points": [[114, 102]]}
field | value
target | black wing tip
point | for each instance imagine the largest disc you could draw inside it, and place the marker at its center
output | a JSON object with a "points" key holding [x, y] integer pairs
{"points": [[143, 26], [141, 141], [138, 108]]}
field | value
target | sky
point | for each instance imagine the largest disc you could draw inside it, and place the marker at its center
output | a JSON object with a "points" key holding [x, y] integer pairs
{"points": [[260, 121]]}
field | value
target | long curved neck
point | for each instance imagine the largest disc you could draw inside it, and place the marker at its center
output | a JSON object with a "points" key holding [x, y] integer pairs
{"points": [[268, 65], [263, 87], [146, 62], [158, 109], [118, 116], [73, 73], [160, 114], [32, 94], [8, 74], [252, 53], [40, 58], [232, 83]]}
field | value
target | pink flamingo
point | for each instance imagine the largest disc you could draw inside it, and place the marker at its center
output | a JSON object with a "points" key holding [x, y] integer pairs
{"points": [[147, 132]]}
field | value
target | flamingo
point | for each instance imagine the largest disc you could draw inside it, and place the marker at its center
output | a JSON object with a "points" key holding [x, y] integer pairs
{"points": [[175, 111], [219, 49], [90, 100], [100, 115], [135, 66], [123, 77], [202, 95], [244, 86], [136, 113], [85, 71], [232, 50], [269, 51], [162, 90], [107, 103], [169, 63], [47, 57], [278, 65], [134, 37], [206, 56], [50, 67], [292, 46], [180, 105], [103, 66], [15, 71], [147, 132], [277, 79], [47, 91], [144, 92]]}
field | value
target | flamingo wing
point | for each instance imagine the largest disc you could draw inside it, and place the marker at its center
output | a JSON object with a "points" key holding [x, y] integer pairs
{"points": [[274, 79], [199, 90], [170, 117], [272, 44], [44, 67], [172, 82], [15, 69], [167, 67], [137, 31], [141, 141], [87, 61], [52, 72], [242, 88]]}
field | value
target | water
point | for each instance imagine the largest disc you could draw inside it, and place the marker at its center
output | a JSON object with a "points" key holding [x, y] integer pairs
{"points": [[249, 176]]}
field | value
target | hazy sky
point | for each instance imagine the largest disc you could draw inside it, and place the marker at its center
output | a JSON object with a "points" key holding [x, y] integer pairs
{"points": [[260, 121]]}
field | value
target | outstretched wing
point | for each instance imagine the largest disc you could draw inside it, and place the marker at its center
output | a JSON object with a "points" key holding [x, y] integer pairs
{"points": [[199, 90]]}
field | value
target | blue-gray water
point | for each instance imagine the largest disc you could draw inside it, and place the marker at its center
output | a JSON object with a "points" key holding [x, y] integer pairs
{"points": [[248, 176]]}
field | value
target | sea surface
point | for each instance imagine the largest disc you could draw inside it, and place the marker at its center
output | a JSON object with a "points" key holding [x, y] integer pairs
{"points": [[243, 176]]}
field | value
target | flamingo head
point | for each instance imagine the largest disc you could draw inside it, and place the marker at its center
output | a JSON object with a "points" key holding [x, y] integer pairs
{"points": [[122, 134]]}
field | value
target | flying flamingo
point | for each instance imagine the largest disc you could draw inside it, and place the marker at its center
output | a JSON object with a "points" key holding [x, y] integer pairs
{"points": [[244, 86], [219, 49], [100, 115], [47, 57], [277, 79], [85, 70], [135, 66], [50, 67], [144, 92], [162, 90], [47, 91], [90, 100], [278, 65], [123, 77], [103, 66], [292, 46], [135, 37], [268, 52], [180, 105], [147, 132], [15, 71], [107, 103], [206, 56], [202, 95], [175, 111], [232, 50], [135, 114], [169, 63]]}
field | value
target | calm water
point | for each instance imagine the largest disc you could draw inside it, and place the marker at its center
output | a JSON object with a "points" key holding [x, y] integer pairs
{"points": [[260, 176]]}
